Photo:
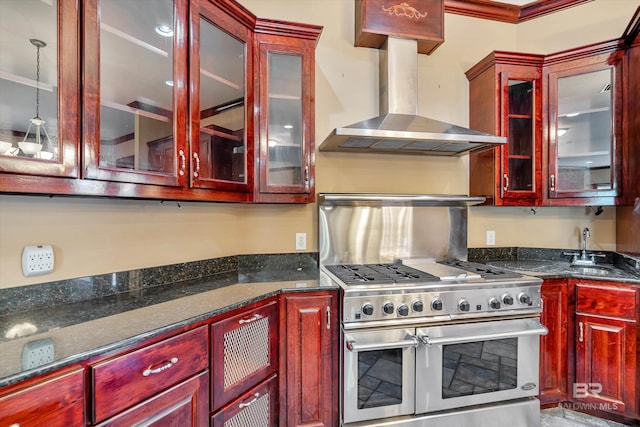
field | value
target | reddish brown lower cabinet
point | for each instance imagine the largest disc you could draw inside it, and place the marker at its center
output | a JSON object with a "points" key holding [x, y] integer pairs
{"points": [[184, 405], [244, 352], [257, 407], [310, 342], [553, 346], [52, 401], [606, 325]]}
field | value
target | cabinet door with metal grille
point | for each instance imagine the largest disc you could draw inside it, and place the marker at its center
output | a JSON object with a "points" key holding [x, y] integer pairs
{"points": [[244, 349], [255, 408]]}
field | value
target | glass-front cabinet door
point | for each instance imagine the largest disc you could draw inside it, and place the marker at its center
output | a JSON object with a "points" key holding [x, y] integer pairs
{"points": [[521, 125], [285, 81], [220, 102], [583, 148], [135, 91], [39, 125]]}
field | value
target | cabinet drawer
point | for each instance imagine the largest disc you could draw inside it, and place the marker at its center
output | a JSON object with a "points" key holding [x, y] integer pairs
{"points": [[128, 379], [256, 407], [54, 402], [244, 351], [606, 300]]}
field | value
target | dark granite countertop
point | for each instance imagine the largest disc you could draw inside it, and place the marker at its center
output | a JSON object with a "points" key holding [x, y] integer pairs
{"points": [[554, 263], [96, 325]]}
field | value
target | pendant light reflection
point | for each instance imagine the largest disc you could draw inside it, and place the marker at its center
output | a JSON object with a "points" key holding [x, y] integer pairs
{"points": [[36, 142]]}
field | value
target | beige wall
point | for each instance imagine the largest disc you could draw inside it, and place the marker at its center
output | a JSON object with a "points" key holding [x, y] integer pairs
{"points": [[93, 236]]}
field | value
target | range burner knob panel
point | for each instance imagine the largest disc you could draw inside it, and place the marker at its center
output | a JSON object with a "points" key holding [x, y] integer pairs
{"points": [[417, 306], [367, 309], [403, 310], [436, 304], [494, 303], [388, 308], [464, 305], [524, 299], [507, 299]]}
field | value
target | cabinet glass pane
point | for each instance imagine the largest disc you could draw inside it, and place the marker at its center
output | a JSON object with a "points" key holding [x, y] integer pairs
{"points": [[584, 131], [285, 120], [521, 139], [222, 105], [136, 85], [29, 79]]}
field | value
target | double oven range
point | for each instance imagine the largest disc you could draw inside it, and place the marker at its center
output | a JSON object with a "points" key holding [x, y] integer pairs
{"points": [[428, 338]]}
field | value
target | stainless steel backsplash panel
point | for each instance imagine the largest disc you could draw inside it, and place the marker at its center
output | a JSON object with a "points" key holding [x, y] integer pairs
{"points": [[373, 228]]}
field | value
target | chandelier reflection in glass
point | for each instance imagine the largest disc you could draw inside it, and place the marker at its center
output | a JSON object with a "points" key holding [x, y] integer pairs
{"points": [[40, 144]]}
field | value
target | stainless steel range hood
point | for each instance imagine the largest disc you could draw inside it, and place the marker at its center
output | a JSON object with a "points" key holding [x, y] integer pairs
{"points": [[398, 129]]}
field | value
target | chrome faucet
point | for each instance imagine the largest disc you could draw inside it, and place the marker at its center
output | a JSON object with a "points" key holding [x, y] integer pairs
{"points": [[585, 235]]}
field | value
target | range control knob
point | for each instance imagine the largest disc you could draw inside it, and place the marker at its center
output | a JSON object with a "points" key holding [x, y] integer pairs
{"points": [[494, 303], [387, 308], [403, 310], [464, 305], [524, 299], [507, 299], [436, 304], [417, 306], [367, 309]]}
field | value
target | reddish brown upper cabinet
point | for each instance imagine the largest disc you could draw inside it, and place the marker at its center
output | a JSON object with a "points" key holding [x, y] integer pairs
{"points": [[285, 78], [554, 345], [52, 400], [311, 345], [505, 99], [606, 339], [582, 119], [40, 86]]}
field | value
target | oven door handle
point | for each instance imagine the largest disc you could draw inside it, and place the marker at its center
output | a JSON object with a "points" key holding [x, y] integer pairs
{"points": [[537, 330], [353, 346]]}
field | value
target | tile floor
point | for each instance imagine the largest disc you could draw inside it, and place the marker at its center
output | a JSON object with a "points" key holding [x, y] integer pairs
{"points": [[562, 417]]}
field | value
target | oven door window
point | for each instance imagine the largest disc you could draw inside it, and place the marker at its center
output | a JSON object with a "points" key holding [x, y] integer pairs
{"points": [[379, 378], [479, 367]]}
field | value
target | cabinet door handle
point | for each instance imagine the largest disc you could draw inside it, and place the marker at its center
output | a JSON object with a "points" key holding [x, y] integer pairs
{"points": [[250, 319], [552, 179], [328, 317], [506, 182], [581, 326], [306, 176], [196, 172], [151, 370], [244, 405], [183, 162]]}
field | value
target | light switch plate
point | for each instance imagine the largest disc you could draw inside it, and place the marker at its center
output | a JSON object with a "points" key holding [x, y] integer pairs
{"points": [[301, 241], [491, 238]]}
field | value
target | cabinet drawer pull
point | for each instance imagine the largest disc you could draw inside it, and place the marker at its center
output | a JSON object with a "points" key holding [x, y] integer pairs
{"points": [[183, 162], [250, 319], [506, 182], [151, 370], [244, 405], [581, 337], [196, 172]]}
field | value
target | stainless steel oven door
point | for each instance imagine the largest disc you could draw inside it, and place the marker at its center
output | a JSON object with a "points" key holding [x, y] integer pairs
{"points": [[378, 374], [474, 363]]}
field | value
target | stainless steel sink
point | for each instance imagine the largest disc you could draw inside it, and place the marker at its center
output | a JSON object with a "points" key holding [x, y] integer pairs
{"points": [[592, 270]]}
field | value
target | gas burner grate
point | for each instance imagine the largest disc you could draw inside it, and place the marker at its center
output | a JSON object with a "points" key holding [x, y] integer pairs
{"points": [[485, 271], [374, 274]]}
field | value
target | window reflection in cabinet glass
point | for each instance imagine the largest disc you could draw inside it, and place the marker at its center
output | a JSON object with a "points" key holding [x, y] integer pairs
{"points": [[136, 85], [28, 79], [285, 119], [222, 94], [584, 131]]}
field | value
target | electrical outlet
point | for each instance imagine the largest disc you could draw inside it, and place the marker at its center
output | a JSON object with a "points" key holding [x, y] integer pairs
{"points": [[491, 238], [37, 260], [37, 353], [301, 241]]}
